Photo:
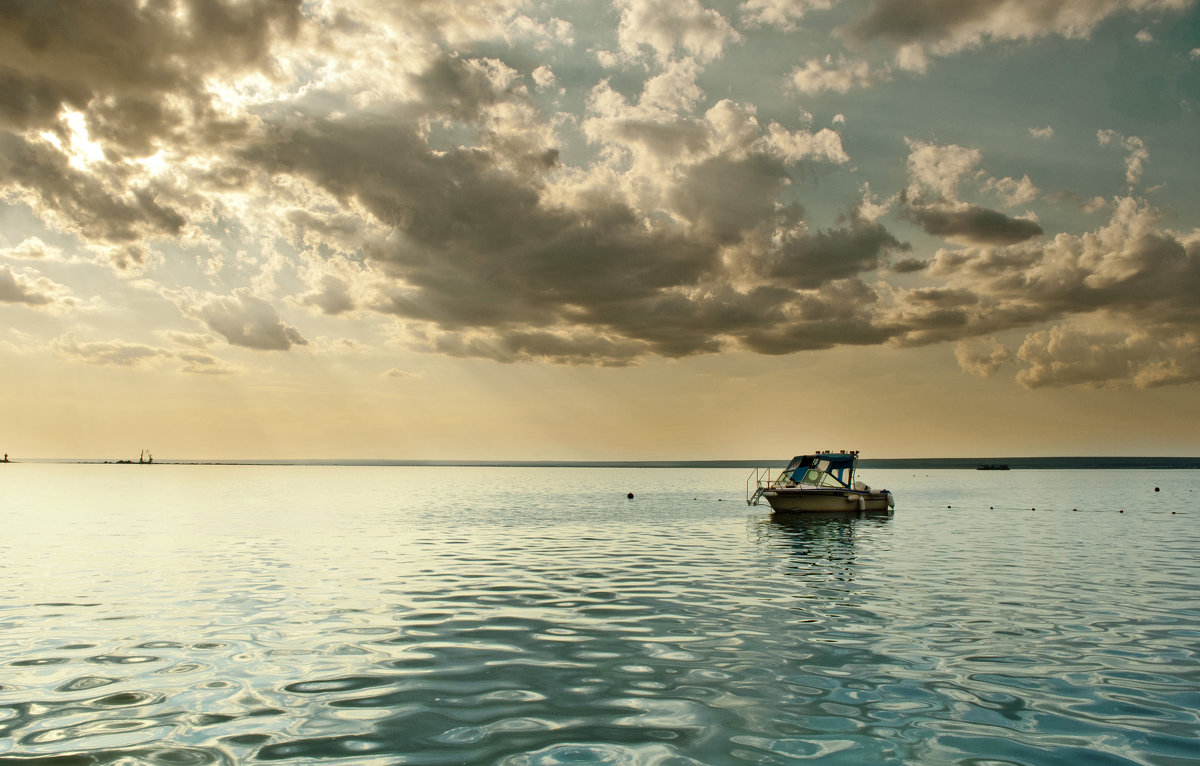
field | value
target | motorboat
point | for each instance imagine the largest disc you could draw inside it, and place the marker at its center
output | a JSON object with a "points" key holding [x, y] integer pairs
{"points": [[819, 482]]}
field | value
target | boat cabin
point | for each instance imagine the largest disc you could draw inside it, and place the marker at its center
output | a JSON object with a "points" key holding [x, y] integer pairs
{"points": [[825, 469]]}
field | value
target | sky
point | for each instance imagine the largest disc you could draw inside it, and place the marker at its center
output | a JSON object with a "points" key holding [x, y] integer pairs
{"points": [[614, 229]]}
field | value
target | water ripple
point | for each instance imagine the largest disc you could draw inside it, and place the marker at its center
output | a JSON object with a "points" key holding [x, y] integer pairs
{"points": [[366, 623]]}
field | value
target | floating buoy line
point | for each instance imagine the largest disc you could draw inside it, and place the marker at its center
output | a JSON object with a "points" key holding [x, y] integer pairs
{"points": [[1034, 509]]}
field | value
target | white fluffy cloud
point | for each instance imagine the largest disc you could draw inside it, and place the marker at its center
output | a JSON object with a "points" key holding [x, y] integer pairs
{"points": [[1069, 355], [779, 13], [665, 26], [982, 356], [839, 75], [1137, 154]]}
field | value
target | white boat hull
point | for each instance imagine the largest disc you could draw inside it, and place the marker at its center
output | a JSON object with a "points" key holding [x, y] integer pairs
{"points": [[807, 499]]}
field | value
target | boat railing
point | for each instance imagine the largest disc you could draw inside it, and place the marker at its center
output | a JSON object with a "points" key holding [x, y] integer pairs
{"points": [[761, 478]]}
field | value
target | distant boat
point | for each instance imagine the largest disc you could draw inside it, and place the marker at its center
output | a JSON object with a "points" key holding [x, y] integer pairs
{"points": [[819, 482], [992, 467]]}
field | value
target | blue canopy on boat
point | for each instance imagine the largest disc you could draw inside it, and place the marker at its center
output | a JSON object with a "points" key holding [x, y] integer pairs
{"points": [[836, 460], [840, 465]]}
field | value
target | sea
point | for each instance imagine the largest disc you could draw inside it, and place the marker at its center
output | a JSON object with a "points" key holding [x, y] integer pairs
{"points": [[184, 615]]}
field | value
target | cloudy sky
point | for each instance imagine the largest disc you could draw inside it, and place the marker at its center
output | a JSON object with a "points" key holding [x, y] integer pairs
{"points": [[614, 229]]}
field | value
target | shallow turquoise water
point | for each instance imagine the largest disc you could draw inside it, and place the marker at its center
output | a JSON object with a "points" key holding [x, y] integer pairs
{"points": [[350, 615]]}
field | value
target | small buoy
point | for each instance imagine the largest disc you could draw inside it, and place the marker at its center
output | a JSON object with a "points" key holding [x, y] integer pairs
{"points": [[1156, 489], [1121, 511], [630, 496], [1074, 509], [947, 506], [991, 507]]}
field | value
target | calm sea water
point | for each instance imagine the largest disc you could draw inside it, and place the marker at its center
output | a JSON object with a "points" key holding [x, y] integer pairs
{"points": [[534, 616]]}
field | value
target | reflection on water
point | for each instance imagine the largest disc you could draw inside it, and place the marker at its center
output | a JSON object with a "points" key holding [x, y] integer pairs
{"points": [[353, 616], [824, 540]]}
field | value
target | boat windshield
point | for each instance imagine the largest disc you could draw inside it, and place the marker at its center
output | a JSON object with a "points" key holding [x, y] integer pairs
{"points": [[821, 478]]}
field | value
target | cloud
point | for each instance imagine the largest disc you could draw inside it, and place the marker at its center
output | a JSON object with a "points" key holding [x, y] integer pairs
{"points": [[202, 364], [779, 13], [541, 35], [809, 260], [192, 340], [837, 75], [1129, 275], [1065, 355], [117, 353], [666, 25], [792, 147], [246, 320], [577, 346], [935, 171], [395, 373], [136, 71], [331, 296], [544, 77], [31, 289], [943, 27], [908, 265], [971, 224], [32, 249], [931, 198], [78, 202], [1046, 131], [1135, 160], [1013, 191], [982, 356]]}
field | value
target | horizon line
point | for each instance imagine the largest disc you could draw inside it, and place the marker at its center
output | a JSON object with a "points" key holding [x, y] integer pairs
{"points": [[1040, 461]]}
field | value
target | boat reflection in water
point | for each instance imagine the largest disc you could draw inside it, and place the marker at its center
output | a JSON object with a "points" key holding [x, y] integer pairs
{"points": [[826, 545]]}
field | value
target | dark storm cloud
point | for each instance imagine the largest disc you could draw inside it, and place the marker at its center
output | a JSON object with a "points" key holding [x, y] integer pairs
{"points": [[953, 24], [727, 196], [455, 88], [909, 265], [136, 72], [973, 224], [904, 21], [523, 346], [474, 250], [83, 200], [116, 60], [472, 245], [812, 259], [1140, 285]]}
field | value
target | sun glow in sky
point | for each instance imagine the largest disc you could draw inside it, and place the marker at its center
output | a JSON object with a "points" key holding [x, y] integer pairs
{"points": [[631, 229]]}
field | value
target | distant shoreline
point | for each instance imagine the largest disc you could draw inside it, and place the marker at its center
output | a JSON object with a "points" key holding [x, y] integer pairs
{"points": [[972, 463]]}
